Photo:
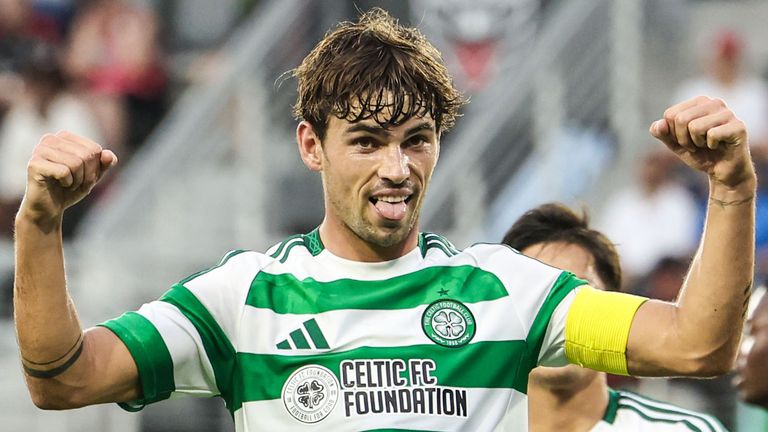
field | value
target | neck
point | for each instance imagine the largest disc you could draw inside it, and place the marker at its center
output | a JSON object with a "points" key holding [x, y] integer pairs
{"points": [[573, 409], [344, 243]]}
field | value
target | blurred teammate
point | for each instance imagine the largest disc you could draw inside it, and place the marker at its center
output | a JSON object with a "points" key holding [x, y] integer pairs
{"points": [[365, 322], [573, 398], [752, 366]]}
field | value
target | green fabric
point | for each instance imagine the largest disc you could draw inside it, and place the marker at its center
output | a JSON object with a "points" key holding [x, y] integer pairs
{"points": [[283, 244], [477, 365], [284, 293], [613, 406], [153, 360], [564, 284], [218, 348]]}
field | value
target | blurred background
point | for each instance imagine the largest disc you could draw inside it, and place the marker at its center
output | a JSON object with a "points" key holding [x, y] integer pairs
{"points": [[193, 97]]}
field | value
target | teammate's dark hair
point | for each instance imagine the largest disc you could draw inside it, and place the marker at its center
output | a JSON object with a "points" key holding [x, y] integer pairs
{"points": [[375, 68], [555, 222]]}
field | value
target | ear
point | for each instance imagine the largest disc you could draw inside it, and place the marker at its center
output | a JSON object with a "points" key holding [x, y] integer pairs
{"points": [[310, 147]]}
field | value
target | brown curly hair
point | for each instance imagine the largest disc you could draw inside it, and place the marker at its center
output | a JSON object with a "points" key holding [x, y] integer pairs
{"points": [[375, 68]]}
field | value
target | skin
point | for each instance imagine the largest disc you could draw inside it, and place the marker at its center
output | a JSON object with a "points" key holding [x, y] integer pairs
{"points": [[697, 335], [361, 161], [579, 396], [751, 379]]}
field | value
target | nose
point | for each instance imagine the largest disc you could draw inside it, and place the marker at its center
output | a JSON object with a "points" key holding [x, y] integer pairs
{"points": [[394, 165]]}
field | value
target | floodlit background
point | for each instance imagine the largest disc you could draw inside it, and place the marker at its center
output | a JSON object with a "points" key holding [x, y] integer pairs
{"points": [[192, 96]]}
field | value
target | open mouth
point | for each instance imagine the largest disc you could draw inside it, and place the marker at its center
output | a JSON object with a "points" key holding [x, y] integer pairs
{"points": [[392, 207]]}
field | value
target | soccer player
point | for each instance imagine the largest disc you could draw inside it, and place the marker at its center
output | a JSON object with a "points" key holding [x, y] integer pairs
{"points": [[573, 398], [752, 366], [366, 322]]}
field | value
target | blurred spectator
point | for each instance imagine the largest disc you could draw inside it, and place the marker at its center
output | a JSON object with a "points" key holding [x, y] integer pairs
{"points": [[653, 219], [745, 93], [44, 106], [21, 30], [481, 38], [114, 54], [751, 379]]}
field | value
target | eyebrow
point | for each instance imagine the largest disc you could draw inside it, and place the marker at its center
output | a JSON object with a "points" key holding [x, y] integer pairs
{"points": [[380, 130]]}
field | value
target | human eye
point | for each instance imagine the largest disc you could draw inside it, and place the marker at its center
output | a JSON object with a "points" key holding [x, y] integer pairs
{"points": [[416, 141], [364, 142]]}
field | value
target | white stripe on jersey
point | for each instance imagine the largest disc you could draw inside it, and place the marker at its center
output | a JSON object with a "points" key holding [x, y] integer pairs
{"points": [[490, 401], [177, 332]]}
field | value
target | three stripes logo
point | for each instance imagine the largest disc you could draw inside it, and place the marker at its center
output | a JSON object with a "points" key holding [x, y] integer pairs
{"points": [[298, 338]]}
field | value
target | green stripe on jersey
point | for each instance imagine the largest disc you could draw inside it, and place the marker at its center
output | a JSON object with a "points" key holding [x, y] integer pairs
{"points": [[151, 355], [490, 364], [284, 293], [564, 284], [217, 346], [668, 409]]}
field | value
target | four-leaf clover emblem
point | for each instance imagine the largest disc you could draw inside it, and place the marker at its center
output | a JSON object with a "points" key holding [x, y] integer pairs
{"points": [[310, 394], [449, 324]]}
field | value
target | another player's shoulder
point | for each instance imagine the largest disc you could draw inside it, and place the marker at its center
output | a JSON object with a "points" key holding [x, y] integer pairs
{"points": [[632, 408]]}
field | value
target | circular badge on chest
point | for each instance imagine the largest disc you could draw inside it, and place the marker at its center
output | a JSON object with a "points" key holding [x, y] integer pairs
{"points": [[310, 393], [448, 323]]}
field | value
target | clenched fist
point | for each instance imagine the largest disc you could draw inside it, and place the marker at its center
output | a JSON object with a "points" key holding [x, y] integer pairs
{"points": [[63, 169], [707, 136]]}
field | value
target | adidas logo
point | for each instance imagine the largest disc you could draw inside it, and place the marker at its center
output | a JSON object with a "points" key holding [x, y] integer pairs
{"points": [[298, 339]]}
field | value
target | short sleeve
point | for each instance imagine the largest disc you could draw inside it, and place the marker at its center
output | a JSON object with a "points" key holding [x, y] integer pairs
{"points": [[552, 351], [546, 337], [184, 343]]}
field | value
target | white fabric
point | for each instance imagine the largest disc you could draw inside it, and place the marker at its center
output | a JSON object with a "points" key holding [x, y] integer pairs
{"points": [[638, 414], [252, 330]]}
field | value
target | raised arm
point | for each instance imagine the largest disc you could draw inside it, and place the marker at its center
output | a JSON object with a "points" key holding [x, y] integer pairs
{"points": [[64, 367], [698, 335]]}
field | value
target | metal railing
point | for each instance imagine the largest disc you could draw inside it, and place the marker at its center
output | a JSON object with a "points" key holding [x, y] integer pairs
{"points": [[548, 131]]}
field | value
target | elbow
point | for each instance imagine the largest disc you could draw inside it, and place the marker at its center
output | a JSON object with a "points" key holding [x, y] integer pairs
{"points": [[711, 364], [48, 397], [43, 400]]}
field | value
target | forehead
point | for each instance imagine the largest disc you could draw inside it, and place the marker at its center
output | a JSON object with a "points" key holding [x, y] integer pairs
{"points": [[385, 107], [567, 256], [422, 123]]}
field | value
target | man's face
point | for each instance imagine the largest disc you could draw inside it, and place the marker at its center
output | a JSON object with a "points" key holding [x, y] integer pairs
{"points": [[375, 178], [580, 262], [752, 365]]}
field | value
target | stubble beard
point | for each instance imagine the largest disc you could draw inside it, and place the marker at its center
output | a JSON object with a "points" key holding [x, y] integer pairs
{"points": [[365, 229]]}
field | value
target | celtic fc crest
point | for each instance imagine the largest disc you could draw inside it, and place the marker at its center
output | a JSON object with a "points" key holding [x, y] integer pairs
{"points": [[448, 323]]}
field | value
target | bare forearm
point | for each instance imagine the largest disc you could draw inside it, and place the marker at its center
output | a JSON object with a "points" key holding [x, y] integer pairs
{"points": [[711, 306], [47, 326]]}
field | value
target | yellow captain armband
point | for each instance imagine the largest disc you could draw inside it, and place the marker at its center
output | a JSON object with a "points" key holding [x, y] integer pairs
{"points": [[597, 329]]}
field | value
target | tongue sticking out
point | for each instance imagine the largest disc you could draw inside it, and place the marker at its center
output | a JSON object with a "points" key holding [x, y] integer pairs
{"points": [[393, 211]]}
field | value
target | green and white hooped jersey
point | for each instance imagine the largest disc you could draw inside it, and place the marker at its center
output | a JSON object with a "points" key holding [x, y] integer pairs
{"points": [[299, 338], [630, 412]]}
